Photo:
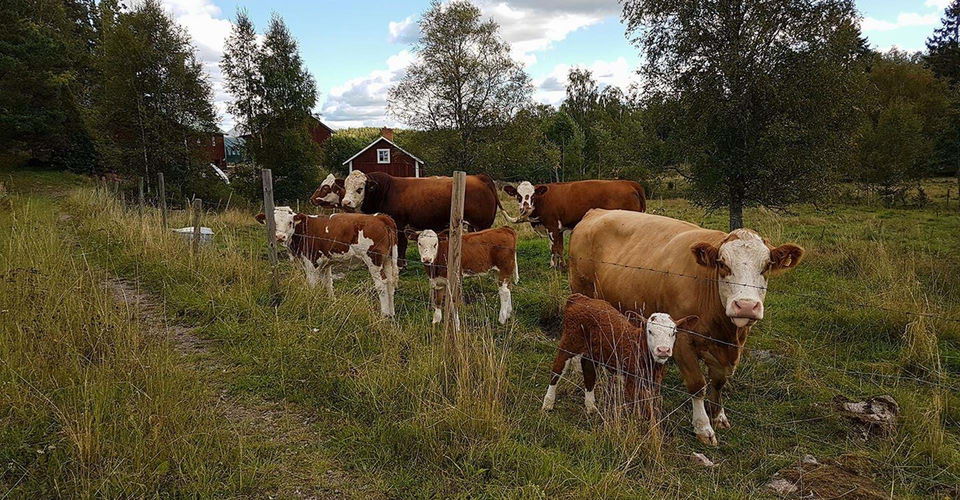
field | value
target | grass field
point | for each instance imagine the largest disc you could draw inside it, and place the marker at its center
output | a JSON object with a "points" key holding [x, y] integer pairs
{"points": [[95, 403]]}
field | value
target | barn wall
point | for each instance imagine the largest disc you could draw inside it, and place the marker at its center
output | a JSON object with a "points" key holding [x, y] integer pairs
{"points": [[401, 164], [319, 133]]}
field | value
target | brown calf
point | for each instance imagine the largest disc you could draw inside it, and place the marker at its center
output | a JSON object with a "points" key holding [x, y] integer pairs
{"points": [[594, 330], [481, 252], [319, 242]]}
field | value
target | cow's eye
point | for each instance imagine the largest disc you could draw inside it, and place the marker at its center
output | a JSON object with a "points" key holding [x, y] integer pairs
{"points": [[358, 190], [723, 267]]}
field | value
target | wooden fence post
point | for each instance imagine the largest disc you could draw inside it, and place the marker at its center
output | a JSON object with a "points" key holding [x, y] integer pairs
{"points": [[270, 223], [197, 207], [454, 290], [163, 201], [140, 195]]}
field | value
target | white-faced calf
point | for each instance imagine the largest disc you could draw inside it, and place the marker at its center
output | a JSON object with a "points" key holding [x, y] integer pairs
{"points": [[492, 250], [600, 335], [319, 242]]}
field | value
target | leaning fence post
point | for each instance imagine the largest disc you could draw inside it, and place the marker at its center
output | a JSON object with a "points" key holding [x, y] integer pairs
{"points": [[197, 207], [163, 201], [270, 224], [454, 291], [140, 195]]}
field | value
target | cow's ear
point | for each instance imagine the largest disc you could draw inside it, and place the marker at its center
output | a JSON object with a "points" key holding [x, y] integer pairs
{"points": [[541, 189], [298, 218], [411, 234], [687, 322], [636, 319], [512, 191], [260, 218], [444, 235], [705, 253], [372, 186], [785, 256]]}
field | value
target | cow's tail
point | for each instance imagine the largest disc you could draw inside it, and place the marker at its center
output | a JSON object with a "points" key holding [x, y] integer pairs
{"points": [[496, 196]]}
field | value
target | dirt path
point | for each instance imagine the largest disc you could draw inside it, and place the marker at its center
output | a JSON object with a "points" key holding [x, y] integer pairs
{"points": [[285, 436]]}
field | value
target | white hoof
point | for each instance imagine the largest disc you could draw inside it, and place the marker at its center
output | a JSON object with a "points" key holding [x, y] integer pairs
{"points": [[720, 421]]}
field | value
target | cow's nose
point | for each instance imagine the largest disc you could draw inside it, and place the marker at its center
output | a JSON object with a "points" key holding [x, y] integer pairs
{"points": [[744, 308], [664, 351]]}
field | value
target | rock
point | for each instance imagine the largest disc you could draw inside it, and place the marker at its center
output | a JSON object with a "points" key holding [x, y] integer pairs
{"points": [[874, 416], [782, 487], [809, 459], [702, 459]]}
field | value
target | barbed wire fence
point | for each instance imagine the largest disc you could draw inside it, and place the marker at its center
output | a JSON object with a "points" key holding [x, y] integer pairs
{"points": [[453, 306]]}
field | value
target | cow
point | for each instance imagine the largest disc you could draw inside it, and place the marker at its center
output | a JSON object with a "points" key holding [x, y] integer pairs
{"points": [[636, 261], [329, 194], [422, 203], [631, 346], [318, 242], [559, 206], [491, 250]]}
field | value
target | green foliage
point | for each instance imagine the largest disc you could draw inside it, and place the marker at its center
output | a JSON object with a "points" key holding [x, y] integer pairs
{"points": [[766, 93], [906, 111], [344, 144], [464, 81], [274, 95], [943, 46], [44, 67], [151, 106], [564, 133]]}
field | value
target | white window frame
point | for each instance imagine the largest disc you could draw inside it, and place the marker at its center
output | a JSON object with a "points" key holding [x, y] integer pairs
{"points": [[379, 159]]}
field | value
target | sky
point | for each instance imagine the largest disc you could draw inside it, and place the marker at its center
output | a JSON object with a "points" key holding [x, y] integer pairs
{"points": [[357, 49]]}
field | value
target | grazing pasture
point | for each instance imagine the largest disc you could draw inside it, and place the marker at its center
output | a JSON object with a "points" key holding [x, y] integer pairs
{"points": [[361, 403]]}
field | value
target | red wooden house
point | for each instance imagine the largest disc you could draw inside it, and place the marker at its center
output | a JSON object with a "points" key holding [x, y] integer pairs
{"points": [[211, 146], [319, 131], [383, 155]]}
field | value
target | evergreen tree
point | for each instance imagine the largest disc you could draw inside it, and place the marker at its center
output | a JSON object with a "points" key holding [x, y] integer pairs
{"points": [[240, 66], [944, 46]]}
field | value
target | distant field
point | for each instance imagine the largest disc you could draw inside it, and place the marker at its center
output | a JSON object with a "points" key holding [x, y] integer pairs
{"points": [[93, 404]]}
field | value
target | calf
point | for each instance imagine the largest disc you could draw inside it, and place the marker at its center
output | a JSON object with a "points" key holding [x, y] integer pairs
{"points": [[318, 242], [481, 252], [329, 194], [596, 332]]}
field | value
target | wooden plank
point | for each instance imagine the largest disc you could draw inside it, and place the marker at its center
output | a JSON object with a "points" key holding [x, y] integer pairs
{"points": [[454, 289], [163, 200], [197, 208], [270, 222]]}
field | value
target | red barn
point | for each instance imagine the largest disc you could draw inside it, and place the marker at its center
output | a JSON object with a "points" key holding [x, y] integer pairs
{"points": [[319, 131], [383, 155], [210, 145]]}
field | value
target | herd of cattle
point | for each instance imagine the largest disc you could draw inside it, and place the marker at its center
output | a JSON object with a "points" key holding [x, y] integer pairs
{"points": [[706, 288]]}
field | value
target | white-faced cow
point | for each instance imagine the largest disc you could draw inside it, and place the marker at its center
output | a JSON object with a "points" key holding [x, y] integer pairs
{"points": [[559, 206], [420, 203], [636, 261], [598, 334], [319, 242], [329, 194], [491, 250]]}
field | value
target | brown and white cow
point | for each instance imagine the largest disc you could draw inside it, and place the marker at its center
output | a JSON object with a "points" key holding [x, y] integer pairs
{"points": [[491, 250], [422, 203], [319, 242], [329, 194], [559, 206], [598, 334], [635, 260]]}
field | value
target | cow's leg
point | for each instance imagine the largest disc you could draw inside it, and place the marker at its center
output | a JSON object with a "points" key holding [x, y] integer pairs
{"points": [[379, 283], [556, 372], [686, 359], [401, 247], [718, 379], [310, 271], [589, 384], [392, 277], [516, 269], [437, 293], [506, 303], [556, 247], [327, 274]]}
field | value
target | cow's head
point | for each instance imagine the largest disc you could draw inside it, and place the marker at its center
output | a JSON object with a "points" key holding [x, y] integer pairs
{"points": [[661, 332], [286, 221], [355, 187], [329, 193], [428, 244], [524, 193], [744, 262]]}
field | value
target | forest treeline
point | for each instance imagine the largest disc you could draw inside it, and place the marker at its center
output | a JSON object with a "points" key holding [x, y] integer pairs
{"points": [[753, 103]]}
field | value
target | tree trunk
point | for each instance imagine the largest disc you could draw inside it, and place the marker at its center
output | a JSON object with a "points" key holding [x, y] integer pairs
{"points": [[736, 211]]}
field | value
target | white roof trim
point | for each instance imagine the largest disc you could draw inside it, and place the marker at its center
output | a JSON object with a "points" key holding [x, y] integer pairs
{"points": [[378, 139]]}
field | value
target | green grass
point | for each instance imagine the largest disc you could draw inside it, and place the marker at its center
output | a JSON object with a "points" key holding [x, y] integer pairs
{"points": [[386, 413]]}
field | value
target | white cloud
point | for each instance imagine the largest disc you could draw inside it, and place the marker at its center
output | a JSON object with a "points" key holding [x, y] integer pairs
{"points": [[904, 19], [552, 88], [202, 20], [363, 101], [405, 31], [938, 4]]}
